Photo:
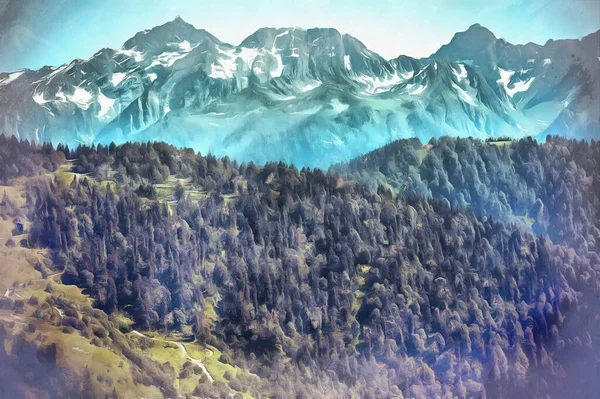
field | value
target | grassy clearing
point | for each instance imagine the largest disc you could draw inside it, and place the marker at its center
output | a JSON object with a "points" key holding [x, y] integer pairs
{"points": [[165, 191], [501, 143], [360, 280], [108, 368], [16, 262], [80, 351], [421, 153], [163, 349], [66, 174], [15, 193], [210, 356], [229, 197]]}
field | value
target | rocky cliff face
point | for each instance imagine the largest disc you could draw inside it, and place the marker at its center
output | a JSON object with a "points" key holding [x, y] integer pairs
{"points": [[311, 97]]}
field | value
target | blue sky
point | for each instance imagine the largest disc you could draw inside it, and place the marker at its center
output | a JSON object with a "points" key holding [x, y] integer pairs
{"points": [[34, 33]]}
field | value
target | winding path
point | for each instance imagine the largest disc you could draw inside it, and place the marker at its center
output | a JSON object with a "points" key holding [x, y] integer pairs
{"points": [[183, 349]]}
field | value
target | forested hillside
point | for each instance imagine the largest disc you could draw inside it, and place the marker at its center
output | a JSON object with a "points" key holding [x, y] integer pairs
{"points": [[410, 272], [552, 187]]}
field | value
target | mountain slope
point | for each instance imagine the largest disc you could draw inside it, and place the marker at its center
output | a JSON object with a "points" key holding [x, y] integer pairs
{"points": [[557, 82], [298, 283], [313, 97]]}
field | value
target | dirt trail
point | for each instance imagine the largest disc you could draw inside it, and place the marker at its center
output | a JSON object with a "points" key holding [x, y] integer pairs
{"points": [[183, 350], [48, 277]]}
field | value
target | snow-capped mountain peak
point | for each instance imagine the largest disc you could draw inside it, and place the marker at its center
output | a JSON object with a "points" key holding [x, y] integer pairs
{"points": [[316, 96]]}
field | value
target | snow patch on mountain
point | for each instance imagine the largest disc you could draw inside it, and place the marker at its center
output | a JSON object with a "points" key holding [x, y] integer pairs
{"points": [[347, 64], [462, 73], [275, 73], [338, 106], [420, 89], [184, 46], [11, 78], [521, 86], [138, 56], [310, 86], [56, 71], [168, 58], [80, 98], [505, 77], [375, 85], [117, 78], [462, 93], [247, 54], [517, 87], [38, 97], [106, 106], [407, 75]]}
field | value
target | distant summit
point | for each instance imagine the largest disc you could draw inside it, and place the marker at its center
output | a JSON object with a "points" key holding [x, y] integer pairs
{"points": [[311, 97], [468, 43]]}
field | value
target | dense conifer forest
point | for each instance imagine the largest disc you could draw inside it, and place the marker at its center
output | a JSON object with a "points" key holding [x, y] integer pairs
{"points": [[459, 268]]}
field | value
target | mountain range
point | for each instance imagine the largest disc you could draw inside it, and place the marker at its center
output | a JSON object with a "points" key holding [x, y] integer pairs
{"points": [[311, 97]]}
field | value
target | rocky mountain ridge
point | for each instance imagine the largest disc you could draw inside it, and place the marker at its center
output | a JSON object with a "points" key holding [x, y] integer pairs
{"points": [[309, 97]]}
